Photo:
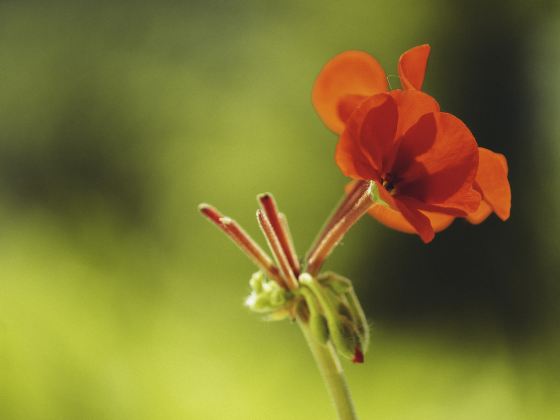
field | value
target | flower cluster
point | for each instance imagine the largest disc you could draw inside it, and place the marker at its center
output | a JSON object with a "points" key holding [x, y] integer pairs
{"points": [[426, 164]]}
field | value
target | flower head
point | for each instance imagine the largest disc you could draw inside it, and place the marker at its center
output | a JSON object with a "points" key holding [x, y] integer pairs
{"points": [[420, 158], [426, 163]]}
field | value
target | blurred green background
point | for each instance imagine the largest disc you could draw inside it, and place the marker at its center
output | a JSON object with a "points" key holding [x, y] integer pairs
{"points": [[118, 301]]}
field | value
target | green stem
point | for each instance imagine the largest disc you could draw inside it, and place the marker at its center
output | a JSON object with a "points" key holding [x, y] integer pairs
{"points": [[331, 370]]}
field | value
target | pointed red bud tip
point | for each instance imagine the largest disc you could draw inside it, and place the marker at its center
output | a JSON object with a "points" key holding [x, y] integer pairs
{"points": [[358, 356]]}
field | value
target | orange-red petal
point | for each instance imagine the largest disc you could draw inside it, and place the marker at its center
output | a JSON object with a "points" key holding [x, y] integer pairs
{"points": [[407, 208], [417, 219], [412, 104], [480, 215], [412, 67], [353, 158], [349, 155], [348, 104], [347, 76], [374, 121], [437, 162], [395, 220], [350, 159], [378, 129], [491, 180]]}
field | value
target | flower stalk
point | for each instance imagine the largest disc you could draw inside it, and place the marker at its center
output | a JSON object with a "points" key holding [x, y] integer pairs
{"points": [[332, 373], [347, 201], [341, 222]]}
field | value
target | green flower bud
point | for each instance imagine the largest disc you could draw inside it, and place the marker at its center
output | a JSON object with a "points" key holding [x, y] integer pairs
{"points": [[344, 337], [341, 331], [267, 297], [344, 311], [302, 311], [278, 315], [335, 282], [347, 325], [317, 322], [320, 328], [348, 304], [359, 317], [258, 302], [256, 281], [277, 297]]}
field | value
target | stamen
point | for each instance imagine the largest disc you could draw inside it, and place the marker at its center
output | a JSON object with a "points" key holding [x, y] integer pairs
{"points": [[280, 229], [243, 241], [275, 247], [337, 232]]}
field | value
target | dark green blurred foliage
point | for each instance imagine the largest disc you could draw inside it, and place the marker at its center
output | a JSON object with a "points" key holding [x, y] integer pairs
{"points": [[117, 300]]}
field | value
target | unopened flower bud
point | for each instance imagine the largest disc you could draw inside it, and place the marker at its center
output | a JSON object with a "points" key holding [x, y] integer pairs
{"points": [[359, 317], [344, 311], [302, 311], [277, 297], [348, 305], [320, 328], [347, 325], [256, 281], [267, 297], [258, 302], [335, 282], [344, 337], [317, 322], [341, 331]]}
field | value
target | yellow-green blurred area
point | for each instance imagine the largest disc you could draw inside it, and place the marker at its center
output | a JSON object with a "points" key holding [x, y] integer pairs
{"points": [[118, 301]]}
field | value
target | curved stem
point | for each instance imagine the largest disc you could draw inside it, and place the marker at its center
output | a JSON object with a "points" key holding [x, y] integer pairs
{"points": [[332, 373], [337, 232], [344, 206]]}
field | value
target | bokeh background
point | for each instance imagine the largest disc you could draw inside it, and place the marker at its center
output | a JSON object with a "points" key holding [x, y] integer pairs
{"points": [[118, 301]]}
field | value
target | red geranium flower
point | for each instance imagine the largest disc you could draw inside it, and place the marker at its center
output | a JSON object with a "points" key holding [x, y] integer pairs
{"points": [[343, 96], [420, 158]]}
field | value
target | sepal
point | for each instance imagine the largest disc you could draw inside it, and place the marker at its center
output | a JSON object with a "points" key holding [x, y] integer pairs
{"points": [[318, 324]]}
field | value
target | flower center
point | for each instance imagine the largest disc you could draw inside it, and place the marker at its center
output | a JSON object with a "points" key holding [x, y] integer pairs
{"points": [[388, 182]]}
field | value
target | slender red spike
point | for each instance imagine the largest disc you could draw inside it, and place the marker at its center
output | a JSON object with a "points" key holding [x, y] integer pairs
{"points": [[286, 227], [280, 229], [277, 251], [243, 241], [336, 233], [344, 206]]}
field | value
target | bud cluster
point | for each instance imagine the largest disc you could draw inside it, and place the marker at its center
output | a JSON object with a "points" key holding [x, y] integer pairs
{"points": [[335, 314], [268, 298], [289, 287], [327, 305]]}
